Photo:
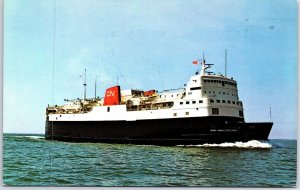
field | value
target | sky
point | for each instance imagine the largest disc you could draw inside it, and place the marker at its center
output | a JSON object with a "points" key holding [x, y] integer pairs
{"points": [[148, 44]]}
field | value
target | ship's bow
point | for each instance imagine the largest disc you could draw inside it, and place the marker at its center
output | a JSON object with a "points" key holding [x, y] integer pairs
{"points": [[257, 131]]}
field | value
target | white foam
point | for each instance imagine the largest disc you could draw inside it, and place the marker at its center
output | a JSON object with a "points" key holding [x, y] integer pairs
{"points": [[249, 144], [34, 137]]}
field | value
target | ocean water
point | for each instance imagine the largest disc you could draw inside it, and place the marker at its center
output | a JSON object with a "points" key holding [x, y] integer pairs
{"points": [[30, 160]]}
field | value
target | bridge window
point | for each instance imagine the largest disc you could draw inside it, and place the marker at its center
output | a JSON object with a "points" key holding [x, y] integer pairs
{"points": [[223, 101], [187, 102], [108, 109], [181, 103], [194, 102], [186, 113], [200, 101], [174, 114], [211, 101], [218, 101]]}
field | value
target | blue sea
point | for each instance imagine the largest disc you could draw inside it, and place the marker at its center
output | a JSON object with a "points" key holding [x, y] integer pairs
{"points": [[30, 160]]}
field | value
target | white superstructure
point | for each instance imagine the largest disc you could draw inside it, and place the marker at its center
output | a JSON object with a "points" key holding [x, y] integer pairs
{"points": [[204, 95]]}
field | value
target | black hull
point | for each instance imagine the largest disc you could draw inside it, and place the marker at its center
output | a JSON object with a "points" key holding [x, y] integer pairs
{"points": [[179, 131]]}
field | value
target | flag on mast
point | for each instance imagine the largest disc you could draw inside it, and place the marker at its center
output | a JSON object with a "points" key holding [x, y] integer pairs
{"points": [[195, 62]]}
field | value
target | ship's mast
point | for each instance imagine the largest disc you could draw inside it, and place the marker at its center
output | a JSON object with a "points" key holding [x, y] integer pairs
{"points": [[96, 87], [84, 85]]}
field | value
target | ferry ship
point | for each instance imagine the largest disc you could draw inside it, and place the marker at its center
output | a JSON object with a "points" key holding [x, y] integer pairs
{"points": [[206, 110]]}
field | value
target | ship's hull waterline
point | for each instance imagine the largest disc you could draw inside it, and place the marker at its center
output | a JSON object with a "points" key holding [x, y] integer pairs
{"points": [[179, 131]]}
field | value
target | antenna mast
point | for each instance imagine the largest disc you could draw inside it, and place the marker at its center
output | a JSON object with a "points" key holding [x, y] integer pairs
{"points": [[84, 84], [226, 63], [53, 49], [270, 113]]}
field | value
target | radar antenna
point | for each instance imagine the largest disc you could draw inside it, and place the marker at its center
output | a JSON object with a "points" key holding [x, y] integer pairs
{"points": [[204, 66]]}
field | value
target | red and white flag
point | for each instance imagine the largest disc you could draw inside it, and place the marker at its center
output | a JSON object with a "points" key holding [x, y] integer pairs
{"points": [[195, 62]]}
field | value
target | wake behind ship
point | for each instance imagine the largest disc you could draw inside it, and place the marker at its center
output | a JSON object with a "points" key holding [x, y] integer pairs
{"points": [[206, 110]]}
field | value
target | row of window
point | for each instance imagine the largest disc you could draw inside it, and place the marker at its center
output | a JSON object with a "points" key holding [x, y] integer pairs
{"points": [[224, 101], [172, 95], [222, 82], [193, 102], [213, 101], [214, 111], [224, 93], [213, 92], [205, 92]]}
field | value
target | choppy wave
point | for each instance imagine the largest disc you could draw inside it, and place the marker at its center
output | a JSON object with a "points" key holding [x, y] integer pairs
{"points": [[34, 162], [249, 144]]}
